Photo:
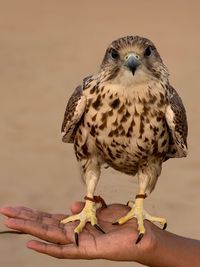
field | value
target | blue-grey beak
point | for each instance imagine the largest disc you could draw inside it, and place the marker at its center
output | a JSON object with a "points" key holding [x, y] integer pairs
{"points": [[132, 61]]}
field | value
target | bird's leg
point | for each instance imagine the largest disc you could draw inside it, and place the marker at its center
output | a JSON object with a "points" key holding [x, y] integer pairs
{"points": [[92, 203], [137, 211]]}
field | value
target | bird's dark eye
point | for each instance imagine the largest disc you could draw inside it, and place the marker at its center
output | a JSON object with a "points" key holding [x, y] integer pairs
{"points": [[147, 51], [114, 54]]}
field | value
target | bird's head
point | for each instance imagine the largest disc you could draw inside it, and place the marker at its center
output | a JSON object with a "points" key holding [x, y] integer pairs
{"points": [[133, 60]]}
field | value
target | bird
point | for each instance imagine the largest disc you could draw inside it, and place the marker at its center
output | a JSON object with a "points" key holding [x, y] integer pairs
{"points": [[130, 118]]}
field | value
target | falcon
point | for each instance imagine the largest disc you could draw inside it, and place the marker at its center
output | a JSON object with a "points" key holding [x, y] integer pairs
{"points": [[130, 118]]}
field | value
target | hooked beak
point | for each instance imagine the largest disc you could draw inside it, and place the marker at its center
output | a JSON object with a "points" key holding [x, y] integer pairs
{"points": [[132, 61]]}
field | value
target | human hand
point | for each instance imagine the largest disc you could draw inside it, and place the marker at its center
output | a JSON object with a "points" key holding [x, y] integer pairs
{"points": [[117, 244]]}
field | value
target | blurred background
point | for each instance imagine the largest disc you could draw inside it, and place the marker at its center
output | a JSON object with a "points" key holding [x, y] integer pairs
{"points": [[46, 49]]}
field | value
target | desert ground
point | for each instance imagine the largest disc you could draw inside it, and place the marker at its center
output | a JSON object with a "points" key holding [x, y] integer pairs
{"points": [[46, 49]]}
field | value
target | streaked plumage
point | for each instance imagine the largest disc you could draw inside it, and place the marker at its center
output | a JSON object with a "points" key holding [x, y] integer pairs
{"points": [[127, 116]]}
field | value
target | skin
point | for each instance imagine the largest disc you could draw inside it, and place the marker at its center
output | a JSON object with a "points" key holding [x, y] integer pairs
{"points": [[158, 248]]}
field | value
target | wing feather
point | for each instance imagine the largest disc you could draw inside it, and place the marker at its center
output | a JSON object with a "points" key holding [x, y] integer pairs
{"points": [[73, 113], [177, 123]]}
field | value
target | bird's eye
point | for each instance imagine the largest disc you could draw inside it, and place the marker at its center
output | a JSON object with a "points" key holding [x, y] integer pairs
{"points": [[114, 54], [147, 51]]}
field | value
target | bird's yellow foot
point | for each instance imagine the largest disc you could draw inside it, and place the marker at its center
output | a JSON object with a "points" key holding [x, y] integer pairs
{"points": [[137, 211], [88, 214]]}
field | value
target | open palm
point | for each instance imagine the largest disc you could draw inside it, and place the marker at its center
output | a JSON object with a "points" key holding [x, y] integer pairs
{"points": [[117, 244]]}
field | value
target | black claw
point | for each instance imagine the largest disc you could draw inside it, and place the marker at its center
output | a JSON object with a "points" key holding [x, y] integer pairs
{"points": [[139, 238], [99, 228], [103, 204], [127, 203], [165, 226], [115, 223], [76, 239]]}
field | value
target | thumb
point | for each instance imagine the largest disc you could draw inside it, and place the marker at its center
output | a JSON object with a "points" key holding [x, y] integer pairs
{"points": [[77, 207]]}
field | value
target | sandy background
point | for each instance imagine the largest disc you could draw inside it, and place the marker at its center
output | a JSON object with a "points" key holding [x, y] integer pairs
{"points": [[46, 48]]}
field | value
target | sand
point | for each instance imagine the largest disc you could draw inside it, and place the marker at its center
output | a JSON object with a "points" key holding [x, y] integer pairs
{"points": [[46, 48]]}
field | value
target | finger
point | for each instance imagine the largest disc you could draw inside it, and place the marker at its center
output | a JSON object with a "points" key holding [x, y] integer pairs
{"points": [[22, 212], [77, 207], [58, 251], [46, 232], [10, 211], [29, 214]]}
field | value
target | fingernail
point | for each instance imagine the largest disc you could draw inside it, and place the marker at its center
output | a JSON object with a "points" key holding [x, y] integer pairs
{"points": [[30, 244]]}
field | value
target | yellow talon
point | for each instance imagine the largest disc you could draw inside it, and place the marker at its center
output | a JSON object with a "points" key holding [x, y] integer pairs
{"points": [[88, 214], [140, 214], [70, 219]]}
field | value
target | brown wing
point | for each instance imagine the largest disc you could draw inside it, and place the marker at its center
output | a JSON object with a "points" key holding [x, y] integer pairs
{"points": [[178, 127], [73, 113]]}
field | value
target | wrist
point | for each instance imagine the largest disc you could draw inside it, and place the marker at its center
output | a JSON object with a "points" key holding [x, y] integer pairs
{"points": [[149, 244]]}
